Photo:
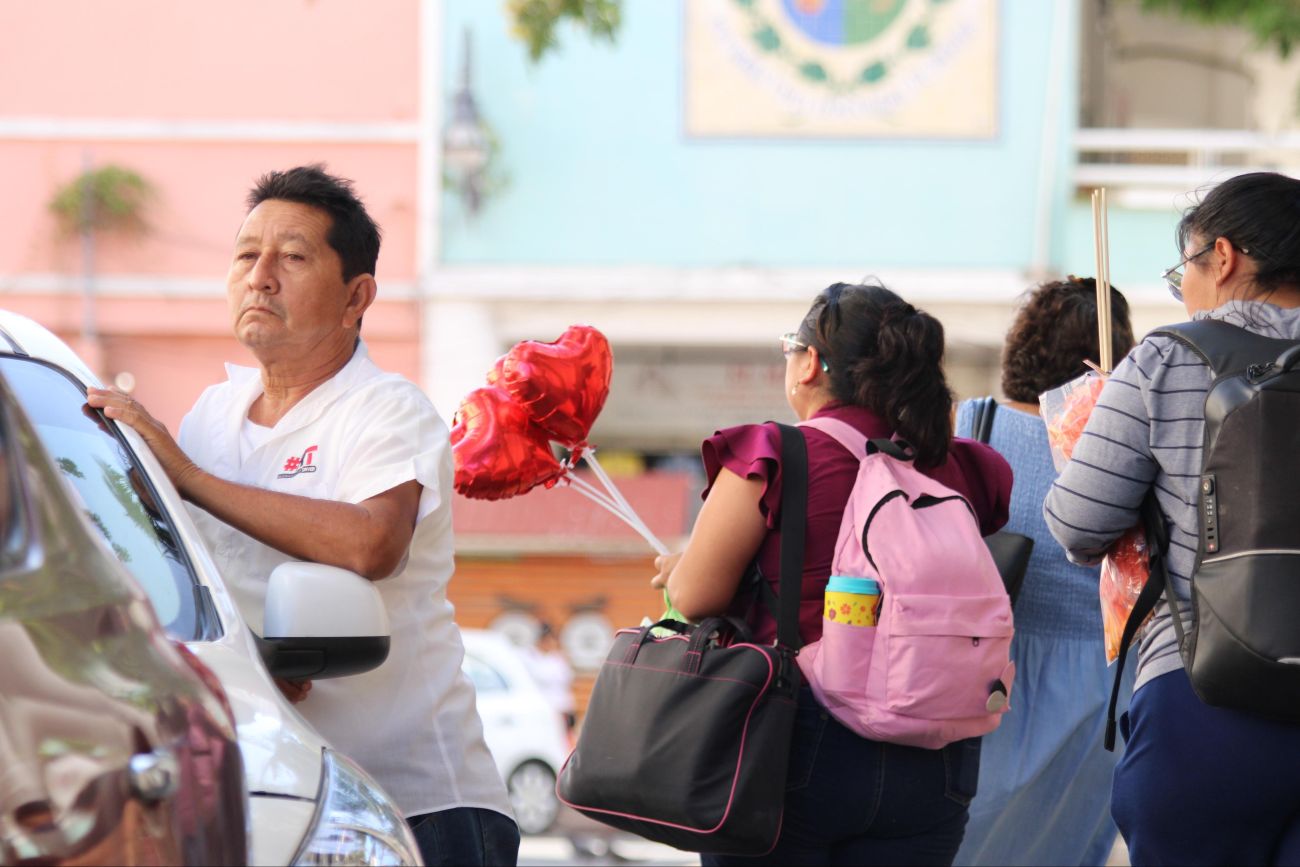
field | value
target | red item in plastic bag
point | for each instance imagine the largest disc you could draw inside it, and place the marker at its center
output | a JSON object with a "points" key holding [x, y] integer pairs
{"points": [[1124, 571], [1067, 418]]}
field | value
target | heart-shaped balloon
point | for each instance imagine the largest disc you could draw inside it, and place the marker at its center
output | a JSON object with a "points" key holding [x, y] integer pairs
{"points": [[563, 385], [494, 375], [497, 450]]}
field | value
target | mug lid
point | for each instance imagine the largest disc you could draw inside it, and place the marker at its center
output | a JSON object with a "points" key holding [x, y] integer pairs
{"points": [[847, 584]]}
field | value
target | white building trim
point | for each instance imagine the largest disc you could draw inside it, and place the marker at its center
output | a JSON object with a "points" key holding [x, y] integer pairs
{"points": [[215, 130], [705, 284], [498, 284]]}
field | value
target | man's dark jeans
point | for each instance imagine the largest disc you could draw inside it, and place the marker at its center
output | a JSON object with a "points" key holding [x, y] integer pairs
{"points": [[466, 835], [854, 801]]}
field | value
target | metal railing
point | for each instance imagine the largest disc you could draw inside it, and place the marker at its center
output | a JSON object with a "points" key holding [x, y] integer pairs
{"points": [[1145, 167]]}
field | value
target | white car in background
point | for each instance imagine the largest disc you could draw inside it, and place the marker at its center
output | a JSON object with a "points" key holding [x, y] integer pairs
{"points": [[308, 804], [523, 731]]}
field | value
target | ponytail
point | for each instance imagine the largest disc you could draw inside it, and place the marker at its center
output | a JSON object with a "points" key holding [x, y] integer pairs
{"points": [[887, 356]]}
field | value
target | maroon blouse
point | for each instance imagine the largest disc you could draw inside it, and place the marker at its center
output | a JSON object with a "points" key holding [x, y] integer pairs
{"points": [[754, 452]]}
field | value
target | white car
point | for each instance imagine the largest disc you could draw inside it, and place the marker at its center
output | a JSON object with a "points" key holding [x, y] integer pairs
{"points": [[308, 803], [523, 731]]}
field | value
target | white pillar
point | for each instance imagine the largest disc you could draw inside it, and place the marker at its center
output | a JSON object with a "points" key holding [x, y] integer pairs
{"points": [[460, 345], [429, 192], [429, 149]]}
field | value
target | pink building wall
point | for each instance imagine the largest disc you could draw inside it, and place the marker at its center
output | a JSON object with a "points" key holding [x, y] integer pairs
{"points": [[245, 59], [85, 78]]}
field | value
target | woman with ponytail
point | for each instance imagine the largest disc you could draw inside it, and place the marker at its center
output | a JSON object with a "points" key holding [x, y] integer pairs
{"points": [[1197, 784], [866, 357]]}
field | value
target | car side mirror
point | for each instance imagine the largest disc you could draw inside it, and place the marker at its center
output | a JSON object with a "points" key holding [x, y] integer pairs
{"points": [[321, 621]]}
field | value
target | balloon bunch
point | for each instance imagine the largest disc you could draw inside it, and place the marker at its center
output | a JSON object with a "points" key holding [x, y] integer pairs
{"points": [[539, 393]]}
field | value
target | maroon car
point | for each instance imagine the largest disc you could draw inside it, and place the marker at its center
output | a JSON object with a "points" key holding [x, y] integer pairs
{"points": [[116, 745]]}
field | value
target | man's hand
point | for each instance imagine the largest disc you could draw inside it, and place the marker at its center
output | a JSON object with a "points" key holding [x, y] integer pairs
{"points": [[294, 690], [123, 408], [370, 538]]}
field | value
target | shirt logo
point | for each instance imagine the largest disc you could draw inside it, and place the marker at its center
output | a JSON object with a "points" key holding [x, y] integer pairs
{"points": [[296, 464]]}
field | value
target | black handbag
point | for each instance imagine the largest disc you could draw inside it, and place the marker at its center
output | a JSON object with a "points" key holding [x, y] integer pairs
{"points": [[1010, 550], [686, 737]]}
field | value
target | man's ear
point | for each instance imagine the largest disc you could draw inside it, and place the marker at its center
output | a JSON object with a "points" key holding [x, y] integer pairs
{"points": [[361, 291]]}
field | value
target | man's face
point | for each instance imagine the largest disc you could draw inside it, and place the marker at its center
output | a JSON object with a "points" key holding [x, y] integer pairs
{"points": [[285, 286]]}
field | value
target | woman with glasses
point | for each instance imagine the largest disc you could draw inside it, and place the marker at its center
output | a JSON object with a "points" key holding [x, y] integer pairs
{"points": [[866, 357], [1045, 778], [1197, 784]]}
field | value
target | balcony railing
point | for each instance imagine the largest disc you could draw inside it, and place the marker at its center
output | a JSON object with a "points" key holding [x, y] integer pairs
{"points": [[1146, 167]]}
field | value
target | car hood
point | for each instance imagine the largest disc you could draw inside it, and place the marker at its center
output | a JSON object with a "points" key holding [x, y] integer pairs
{"points": [[282, 752]]}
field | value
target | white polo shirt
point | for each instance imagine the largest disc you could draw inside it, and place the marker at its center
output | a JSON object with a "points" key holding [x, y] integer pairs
{"points": [[411, 723]]}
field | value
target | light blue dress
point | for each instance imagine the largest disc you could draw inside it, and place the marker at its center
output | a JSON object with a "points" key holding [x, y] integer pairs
{"points": [[1044, 785]]}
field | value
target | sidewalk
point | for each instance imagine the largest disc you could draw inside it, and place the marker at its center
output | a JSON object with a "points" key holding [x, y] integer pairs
{"points": [[575, 839], [579, 840]]}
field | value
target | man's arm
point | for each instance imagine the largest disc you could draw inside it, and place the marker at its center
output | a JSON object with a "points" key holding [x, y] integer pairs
{"points": [[369, 538]]}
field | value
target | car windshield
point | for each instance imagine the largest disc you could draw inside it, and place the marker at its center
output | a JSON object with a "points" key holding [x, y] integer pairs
{"points": [[117, 497]]}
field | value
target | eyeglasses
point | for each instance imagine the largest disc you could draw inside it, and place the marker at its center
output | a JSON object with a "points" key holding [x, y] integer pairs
{"points": [[1174, 276], [790, 344]]}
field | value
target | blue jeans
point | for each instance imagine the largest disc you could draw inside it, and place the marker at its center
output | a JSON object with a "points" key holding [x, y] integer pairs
{"points": [[466, 835], [854, 801], [1205, 785]]}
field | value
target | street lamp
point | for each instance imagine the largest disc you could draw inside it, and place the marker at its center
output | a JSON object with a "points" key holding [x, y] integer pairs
{"points": [[465, 145]]}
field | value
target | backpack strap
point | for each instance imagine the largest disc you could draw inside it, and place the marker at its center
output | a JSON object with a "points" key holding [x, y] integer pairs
{"points": [[842, 432], [1225, 348], [856, 442]]}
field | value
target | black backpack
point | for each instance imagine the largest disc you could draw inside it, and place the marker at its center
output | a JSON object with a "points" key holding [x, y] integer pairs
{"points": [[1242, 650]]}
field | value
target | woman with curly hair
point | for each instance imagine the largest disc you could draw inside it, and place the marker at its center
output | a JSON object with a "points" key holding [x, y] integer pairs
{"points": [[1044, 793]]}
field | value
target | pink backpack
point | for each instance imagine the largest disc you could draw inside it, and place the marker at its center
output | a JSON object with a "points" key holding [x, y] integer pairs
{"points": [[936, 668]]}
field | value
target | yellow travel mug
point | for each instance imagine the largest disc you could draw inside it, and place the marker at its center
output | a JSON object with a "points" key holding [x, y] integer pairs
{"points": [[852, 601]]}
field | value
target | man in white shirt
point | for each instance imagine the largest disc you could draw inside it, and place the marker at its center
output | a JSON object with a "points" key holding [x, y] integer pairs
{"points": [[319, 455]]}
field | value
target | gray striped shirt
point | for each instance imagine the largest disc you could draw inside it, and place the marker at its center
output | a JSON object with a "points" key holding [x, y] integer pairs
{"points": [[1146, 432]]}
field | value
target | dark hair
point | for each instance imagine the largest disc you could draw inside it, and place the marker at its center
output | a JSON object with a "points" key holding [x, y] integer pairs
{"points": [[353, 234], [1054, 331], [883, 354], [1260, 214]]}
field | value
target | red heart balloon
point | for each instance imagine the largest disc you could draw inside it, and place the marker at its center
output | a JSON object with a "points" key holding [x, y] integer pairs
{"points": [[497, 450], [494, 375], [563, 385]]}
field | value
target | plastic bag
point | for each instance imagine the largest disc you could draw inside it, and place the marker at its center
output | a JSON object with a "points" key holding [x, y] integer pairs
{"points": [[1124, 570], [1066, 411], [1126, 567]]}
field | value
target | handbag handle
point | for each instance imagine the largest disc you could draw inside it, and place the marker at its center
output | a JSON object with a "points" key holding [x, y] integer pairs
{"points": [[732, 626], [784, 605], [700, 635], [647, 633]]}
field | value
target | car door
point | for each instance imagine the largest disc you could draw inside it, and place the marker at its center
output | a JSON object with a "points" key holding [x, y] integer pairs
{"points": [[116, 745]]}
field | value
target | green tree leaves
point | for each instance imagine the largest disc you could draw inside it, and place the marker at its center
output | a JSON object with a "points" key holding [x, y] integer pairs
{"points": [[536, 21], [1275, 23]]}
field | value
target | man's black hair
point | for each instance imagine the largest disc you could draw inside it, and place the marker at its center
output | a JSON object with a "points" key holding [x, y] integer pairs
{"points": [[353, 234]]}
